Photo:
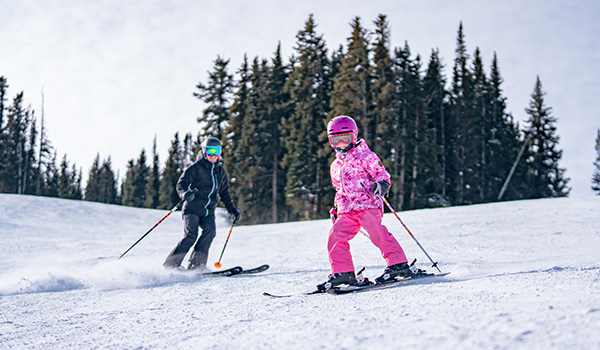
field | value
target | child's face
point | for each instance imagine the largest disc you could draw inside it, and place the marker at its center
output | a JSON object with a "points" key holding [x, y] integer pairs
{"points": [[341, 141], [342, 145]]}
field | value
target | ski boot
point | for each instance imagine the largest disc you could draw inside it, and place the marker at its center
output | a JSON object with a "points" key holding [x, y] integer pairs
{"points": [[198, 268], [402, 270], [337, 279], [362, 280]]}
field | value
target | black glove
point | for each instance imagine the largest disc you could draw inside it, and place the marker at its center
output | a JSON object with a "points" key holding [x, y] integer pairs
{"points": [[189, 196], [333, 214], [237, 215], [381, 188]]}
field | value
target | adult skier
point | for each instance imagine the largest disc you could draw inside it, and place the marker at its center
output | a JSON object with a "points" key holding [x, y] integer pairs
{"points": [[360, 179], [199, 186]]}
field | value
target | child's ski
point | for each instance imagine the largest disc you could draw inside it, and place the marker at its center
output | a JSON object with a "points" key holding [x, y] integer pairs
{"points": [[399, 281], [358, 288]]}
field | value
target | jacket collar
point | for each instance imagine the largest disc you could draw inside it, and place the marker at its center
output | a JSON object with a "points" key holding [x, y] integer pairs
{"points": [[205, 163], [359, 146]]}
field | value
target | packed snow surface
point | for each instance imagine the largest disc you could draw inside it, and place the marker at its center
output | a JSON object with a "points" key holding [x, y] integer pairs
{"points": [[524, 275]]}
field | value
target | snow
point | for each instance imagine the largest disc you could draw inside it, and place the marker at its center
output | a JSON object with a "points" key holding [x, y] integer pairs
{"points": [[524, 275]]}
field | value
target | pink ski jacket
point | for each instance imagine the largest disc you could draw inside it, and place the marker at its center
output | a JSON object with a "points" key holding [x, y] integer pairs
{"points": [[353, 175]]}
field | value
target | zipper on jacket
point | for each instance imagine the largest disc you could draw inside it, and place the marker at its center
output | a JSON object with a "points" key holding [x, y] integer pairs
{"points": [[214, 181], [342, 184]]}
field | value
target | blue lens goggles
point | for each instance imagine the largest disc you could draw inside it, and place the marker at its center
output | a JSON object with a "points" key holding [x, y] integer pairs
{"points": [[213, 150]]}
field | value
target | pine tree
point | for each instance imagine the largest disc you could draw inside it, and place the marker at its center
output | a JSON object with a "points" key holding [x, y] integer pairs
{"points": [[272, 143], [596, 174], [15, 147], [3, 98], [252, 194], [30, 162], [545, 177], [216, 94], [477, 135], [153, 185], [101, 185], [414, 149], [503, 141], [383, 91], [3, 135], [168, 196], [136, 180], [309, 83], [233, 153], [435, 94], [77, 189], [64, 179], [44, 155], [108, 182], [426, 168], [190, 147], [257, 149], [351, 87], [69, 181], [51, 176], [458, 122], [92, 188]]}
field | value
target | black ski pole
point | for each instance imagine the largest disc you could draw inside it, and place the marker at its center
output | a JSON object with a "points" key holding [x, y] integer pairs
{"points": [[153, 227], [435, 264]]}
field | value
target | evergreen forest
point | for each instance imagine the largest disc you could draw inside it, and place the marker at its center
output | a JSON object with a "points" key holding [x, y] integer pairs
{"points": [[443, 133]]}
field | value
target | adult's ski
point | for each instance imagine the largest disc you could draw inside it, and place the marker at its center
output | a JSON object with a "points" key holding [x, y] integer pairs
{"points": [[237, 270], [258, 269]]}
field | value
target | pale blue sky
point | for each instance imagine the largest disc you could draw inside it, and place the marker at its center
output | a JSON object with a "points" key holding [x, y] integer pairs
{"points": [[117, 73]]}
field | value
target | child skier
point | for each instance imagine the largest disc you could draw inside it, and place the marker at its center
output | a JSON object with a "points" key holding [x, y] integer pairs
{"points": [[360, 179], [199, 185]]}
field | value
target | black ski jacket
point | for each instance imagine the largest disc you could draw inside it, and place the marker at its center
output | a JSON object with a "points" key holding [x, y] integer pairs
{"points": [[210, 179]]}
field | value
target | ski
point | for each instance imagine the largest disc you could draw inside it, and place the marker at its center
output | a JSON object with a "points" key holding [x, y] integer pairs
{"points": [[316, 291], [258, 269], [237, 270], [291, 295], [358, 288], [228, 272], [395, 283]]}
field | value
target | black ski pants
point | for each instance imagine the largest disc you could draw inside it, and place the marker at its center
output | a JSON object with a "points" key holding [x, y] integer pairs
{"points": [[199, 256]]}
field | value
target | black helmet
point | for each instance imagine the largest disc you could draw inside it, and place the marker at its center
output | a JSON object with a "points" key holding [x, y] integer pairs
{"points": [[209, 141]]}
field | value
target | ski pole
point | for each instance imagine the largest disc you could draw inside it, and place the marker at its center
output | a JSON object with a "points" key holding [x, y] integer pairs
{"points": [[153, 227], [410, 233], [218, 263]]}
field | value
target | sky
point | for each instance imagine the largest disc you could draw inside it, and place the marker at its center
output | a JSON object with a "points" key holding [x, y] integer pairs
{"points": [[527, 281], [115, 75]]}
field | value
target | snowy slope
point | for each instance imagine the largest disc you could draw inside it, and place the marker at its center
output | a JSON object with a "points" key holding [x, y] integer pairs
{"points": [[525, 275]]}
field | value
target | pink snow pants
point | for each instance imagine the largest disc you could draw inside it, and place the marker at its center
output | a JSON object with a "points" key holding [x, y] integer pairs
{"points": [[347, 226]]}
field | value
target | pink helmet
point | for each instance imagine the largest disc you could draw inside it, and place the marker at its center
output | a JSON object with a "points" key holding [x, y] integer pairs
{"points": [[341, 125]]}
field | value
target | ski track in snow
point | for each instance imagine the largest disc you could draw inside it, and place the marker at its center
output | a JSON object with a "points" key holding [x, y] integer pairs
{"points": [[524, 275]]}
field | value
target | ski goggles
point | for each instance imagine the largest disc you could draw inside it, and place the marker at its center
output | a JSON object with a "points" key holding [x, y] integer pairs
{"points": [[346, 138], [213, 151]]}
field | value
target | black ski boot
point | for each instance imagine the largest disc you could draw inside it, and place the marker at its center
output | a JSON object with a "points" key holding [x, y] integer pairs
{"points": [[391, 272], [337, 279], [198, 268]]}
